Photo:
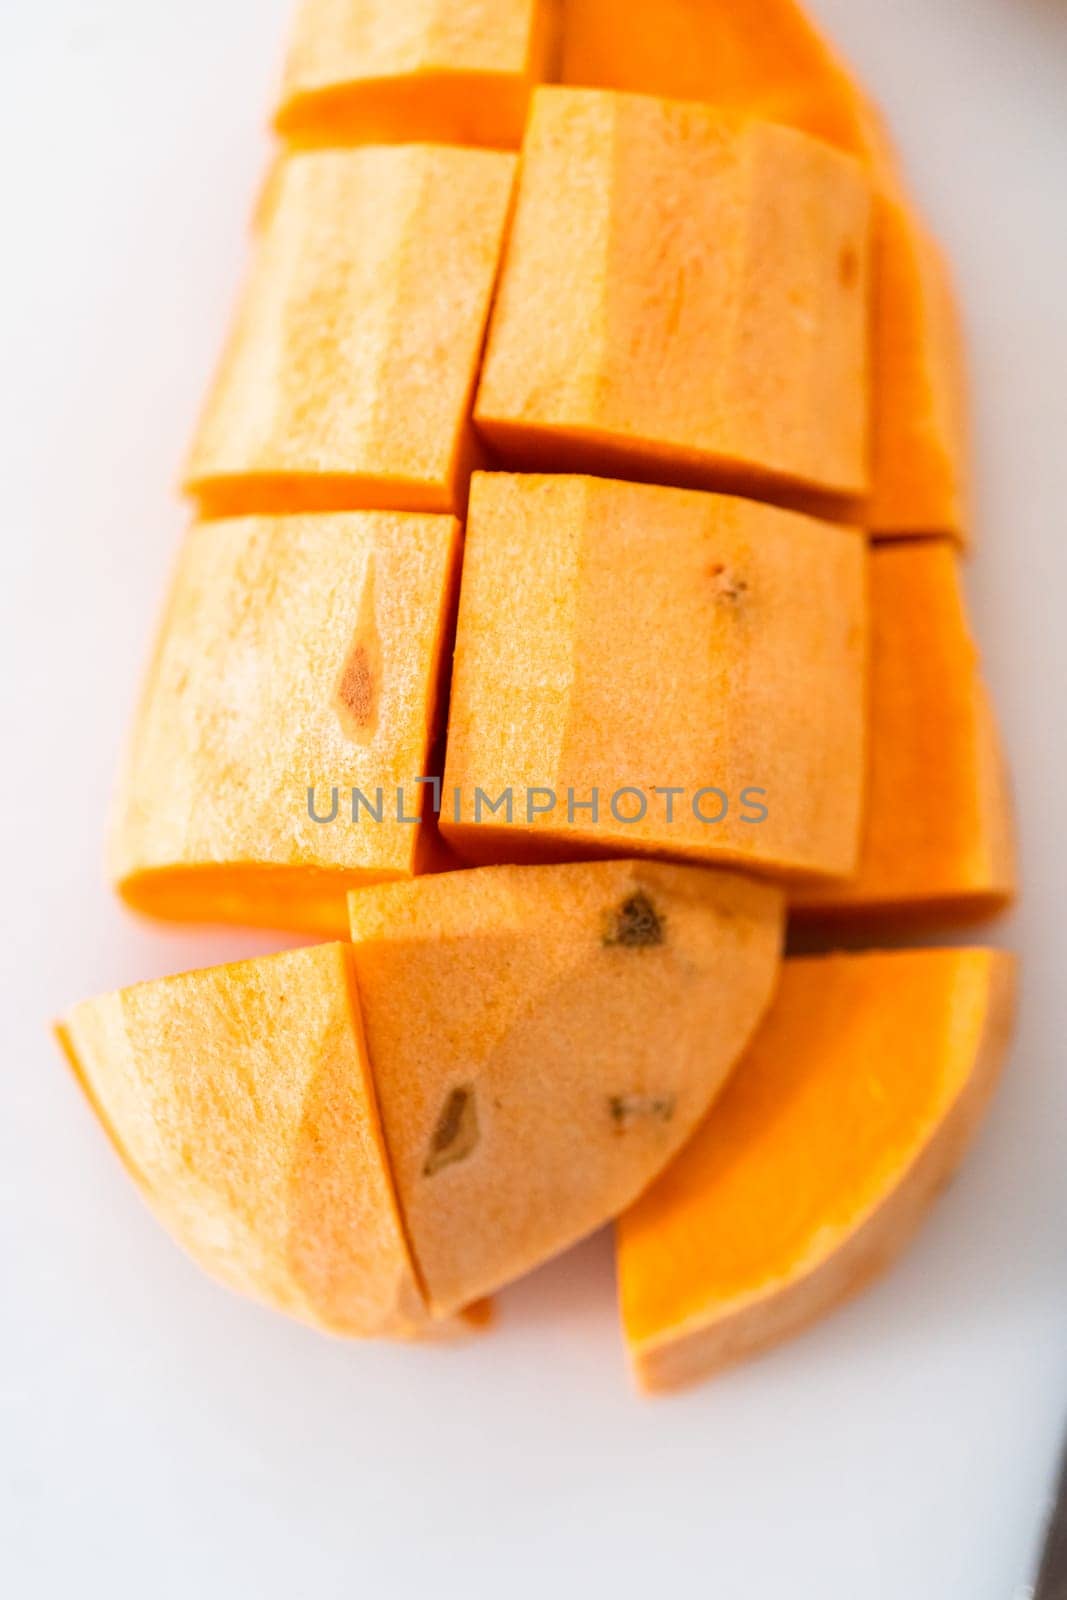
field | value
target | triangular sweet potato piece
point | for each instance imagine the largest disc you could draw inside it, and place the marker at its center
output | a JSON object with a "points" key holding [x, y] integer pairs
{"points": [[543, 1040], [241, 1102], [849, 1112]]}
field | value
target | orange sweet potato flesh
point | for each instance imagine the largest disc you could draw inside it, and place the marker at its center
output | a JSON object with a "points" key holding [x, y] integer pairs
{"points": [[849, 1112], [770, 60], [544, 1039], [919, 469], [297, 654], [348, 378], [938, 835], [241, 1101], [382, 71], [621, 344], [617, 634]]}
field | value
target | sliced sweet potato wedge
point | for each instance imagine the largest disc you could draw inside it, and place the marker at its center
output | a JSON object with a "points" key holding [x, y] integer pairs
{"points": [[241, 1101], [544, 1039], [851, 1109]]}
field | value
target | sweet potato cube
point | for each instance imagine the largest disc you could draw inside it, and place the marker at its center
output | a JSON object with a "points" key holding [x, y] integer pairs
{"points": [[684, 299], [298, 663], [348, 378], [240, 1100], [844, 1120], [544, 1039], [618, 637], [777, 64], [938, 836], [381, 71]]}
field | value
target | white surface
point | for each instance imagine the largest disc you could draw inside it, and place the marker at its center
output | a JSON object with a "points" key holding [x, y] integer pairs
{"points": [[162, 1439]]}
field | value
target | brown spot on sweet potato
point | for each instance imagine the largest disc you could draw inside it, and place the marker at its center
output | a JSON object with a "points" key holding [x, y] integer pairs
{"points": [[848, 267], [626, 1109], [635, 924], [357, 698], [456, 1133], [726, 583], [356, 691]]}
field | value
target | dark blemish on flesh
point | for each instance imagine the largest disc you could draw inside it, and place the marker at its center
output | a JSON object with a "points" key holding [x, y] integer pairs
{"points": [[456, 1133], [848, 267], [727, 585], [356, 691], [635, 924], [357, 697], [626, 1109]]}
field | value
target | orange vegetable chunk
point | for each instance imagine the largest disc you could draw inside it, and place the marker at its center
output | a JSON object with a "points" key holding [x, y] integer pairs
{"points": [[348, 378], [241, 1101], [544, 1039], [298, 662], [684, 299], [772, 62], [847, 1115], [920, 445], [617, 636], [938, 836], [381, 71]]}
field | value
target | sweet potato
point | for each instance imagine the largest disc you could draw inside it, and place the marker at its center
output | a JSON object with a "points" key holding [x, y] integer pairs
{"points": [[849, 1112]]}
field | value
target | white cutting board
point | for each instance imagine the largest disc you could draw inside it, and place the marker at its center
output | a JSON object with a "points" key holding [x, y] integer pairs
{"points": [[161, 1440]]}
